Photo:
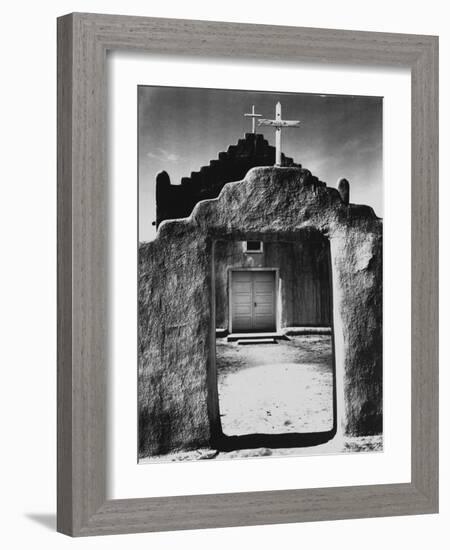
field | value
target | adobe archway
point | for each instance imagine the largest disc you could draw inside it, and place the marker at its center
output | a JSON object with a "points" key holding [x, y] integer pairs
{"points": [[178, 406]]}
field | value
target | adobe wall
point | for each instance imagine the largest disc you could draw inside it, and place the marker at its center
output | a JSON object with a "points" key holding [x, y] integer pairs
{"points": [[178, 201], [304, 278], [178, 404]]}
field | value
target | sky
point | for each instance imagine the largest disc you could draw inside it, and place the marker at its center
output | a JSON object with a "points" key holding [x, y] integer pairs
{"points": [[182, 129]]}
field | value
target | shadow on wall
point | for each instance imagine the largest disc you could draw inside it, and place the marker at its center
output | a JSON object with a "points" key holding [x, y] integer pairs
{"points": [[303, 268]]}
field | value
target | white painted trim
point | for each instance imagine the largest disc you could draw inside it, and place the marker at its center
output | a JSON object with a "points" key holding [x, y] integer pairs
{"points": [[247, 251]]}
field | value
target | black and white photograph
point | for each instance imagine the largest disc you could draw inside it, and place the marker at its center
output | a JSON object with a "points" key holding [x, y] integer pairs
{"points": [[260, 278], [220, 286]]}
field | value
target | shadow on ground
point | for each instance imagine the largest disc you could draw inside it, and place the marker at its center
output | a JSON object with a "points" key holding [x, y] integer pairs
{"points": [[276, 395], [46, 520], [274, 441]]}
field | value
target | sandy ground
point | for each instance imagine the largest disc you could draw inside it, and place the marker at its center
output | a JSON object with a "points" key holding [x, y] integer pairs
{"points": [[284, 387], [373, 443], [276, 388]]}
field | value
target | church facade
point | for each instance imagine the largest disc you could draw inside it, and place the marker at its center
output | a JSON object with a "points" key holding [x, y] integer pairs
{"points": [[268, 286], [247, 247]]}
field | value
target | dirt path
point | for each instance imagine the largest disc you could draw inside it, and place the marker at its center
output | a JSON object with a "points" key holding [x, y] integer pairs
{"points": [[276, 388]]}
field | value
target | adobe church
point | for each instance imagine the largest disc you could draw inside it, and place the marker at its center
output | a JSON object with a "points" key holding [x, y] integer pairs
{"points": [[254, 244]]}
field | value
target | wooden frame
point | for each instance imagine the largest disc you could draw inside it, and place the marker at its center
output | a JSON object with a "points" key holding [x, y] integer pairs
{"points": [[230, 271], [247, 251], [83, 40]]}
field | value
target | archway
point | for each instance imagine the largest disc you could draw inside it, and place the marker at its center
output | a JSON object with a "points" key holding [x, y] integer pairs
{"points": [[178, 401], [276, 383]]}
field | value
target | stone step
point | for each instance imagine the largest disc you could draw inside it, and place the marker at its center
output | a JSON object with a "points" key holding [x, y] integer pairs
{"points": [[253, 336], [292, 331], [285, 332], [256, 341]]}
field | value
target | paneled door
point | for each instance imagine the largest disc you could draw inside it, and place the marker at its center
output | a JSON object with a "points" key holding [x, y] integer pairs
{"points": [[253, 301]]}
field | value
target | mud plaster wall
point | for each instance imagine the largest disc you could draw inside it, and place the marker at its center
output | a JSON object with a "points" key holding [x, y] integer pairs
{"points": [[303, 272], [177, 201], [178, 405]]}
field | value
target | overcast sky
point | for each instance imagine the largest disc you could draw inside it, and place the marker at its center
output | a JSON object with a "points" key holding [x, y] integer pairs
{"points": [[182, 129]]}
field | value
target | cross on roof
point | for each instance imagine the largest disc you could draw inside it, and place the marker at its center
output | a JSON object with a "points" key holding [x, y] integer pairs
{"points": [[253, 116], [278, 123]]}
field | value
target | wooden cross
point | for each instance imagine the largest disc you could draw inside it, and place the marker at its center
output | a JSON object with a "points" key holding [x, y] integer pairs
{"points": [[278, 123], [253, 116]]}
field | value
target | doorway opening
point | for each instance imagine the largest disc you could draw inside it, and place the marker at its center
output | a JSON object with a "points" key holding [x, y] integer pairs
{"points": [[252, 300], [274, 343]]}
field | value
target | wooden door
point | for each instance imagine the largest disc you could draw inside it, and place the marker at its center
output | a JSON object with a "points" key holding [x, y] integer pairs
{"points": [[263, 301], [253, 301]]}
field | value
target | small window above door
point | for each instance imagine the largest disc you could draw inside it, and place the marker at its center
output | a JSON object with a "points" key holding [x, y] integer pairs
{"points": [[253, 247]]}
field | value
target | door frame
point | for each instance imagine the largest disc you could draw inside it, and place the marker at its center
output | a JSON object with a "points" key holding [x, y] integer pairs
{"points": [[277, 294]]}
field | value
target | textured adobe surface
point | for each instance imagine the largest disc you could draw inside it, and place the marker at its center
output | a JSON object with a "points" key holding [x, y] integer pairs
{"points": [[178, 407], [178, 201]]}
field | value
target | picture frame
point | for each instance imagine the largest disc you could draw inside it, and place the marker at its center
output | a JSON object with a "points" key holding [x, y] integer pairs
{"points": [[83, 40]]}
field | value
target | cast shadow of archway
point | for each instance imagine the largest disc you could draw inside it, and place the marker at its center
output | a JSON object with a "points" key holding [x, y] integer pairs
{"points": [[275, 441]]}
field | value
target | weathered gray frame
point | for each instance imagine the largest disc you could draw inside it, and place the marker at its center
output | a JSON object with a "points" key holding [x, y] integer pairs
{"points": [[83, 40]]}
